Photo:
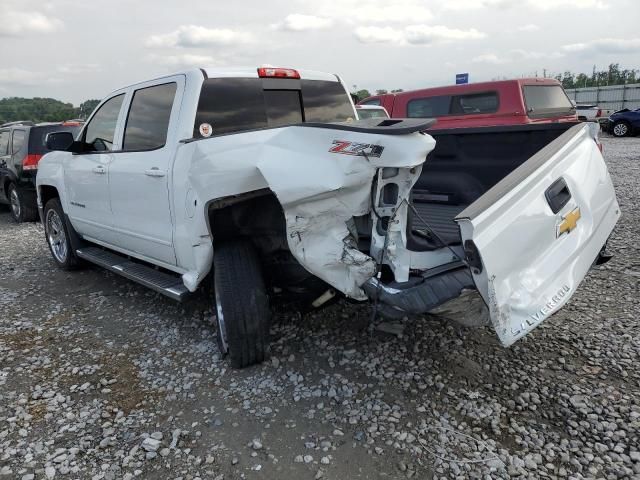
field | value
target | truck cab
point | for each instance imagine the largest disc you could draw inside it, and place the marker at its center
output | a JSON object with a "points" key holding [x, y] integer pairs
{"points": [[520, 101]]}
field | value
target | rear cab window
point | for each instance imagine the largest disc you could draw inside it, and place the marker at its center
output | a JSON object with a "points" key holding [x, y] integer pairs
{"points": [[546, 101], [231, 105], [443, 105]]}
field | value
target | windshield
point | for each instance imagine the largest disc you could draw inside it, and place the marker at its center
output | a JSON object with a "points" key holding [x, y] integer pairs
{"points": [[231, 105]]}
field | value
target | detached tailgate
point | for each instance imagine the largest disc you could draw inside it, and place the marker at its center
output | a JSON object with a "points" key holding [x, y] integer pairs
{"points": [[532, 238]]}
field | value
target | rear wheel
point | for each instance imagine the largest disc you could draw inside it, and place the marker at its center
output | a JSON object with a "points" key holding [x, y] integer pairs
{"points": [[22, 205], [57, 235], [242, 304], [621, 129]]}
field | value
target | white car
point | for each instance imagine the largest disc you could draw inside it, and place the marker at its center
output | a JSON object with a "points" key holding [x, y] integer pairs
{"points": [[589, 113], [262, 178], [371, 111]]}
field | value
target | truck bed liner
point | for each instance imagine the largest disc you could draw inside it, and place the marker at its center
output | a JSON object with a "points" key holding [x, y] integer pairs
{"points": [[439, 218]]}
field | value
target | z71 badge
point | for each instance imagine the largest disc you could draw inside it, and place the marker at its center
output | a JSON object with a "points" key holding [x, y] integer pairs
{"points": [[358, 149]]}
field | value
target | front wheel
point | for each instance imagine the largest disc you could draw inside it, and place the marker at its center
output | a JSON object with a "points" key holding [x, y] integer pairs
{"points": [[57, 235], [621, 129], [242, 304]]}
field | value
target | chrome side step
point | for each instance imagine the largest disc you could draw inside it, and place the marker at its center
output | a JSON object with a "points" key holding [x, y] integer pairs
{"points": [[165, 283]]}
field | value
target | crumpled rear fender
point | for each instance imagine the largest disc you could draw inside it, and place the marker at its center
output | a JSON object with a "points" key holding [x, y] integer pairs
{"points": [[323, 178]]}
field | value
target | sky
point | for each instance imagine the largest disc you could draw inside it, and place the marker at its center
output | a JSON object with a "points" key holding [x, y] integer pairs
{"points": [[74, 50]]}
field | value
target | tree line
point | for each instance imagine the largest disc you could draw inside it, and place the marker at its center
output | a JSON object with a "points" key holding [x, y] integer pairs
{"points": [[51, 110], [613, 75], [42, 109]]}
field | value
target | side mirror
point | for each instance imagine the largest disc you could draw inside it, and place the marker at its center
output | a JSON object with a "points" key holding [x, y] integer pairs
{"points": [[59, 141]]}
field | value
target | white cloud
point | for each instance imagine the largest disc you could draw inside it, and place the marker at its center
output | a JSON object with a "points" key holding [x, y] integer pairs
{"points": [[605, 46], [183, 60], [415, 34], [21, 77], [16, 76], [297, 22], [515, 56], [21, 23], [375, 11], [544, 5], [570, 4], [489, 58], [198, 36], [409, 12], [519, 54], [379, 35], [421, 34], [528, 28], [75, 68]]}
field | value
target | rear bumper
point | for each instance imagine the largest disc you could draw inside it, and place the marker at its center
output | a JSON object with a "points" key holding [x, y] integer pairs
{"points": [[421, 294]]}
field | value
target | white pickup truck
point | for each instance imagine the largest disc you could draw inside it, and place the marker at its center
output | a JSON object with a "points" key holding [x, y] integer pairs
{"points": [[265, 179]]}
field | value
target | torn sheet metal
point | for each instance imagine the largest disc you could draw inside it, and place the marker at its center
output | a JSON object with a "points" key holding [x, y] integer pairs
{"points": [[322, 189]]}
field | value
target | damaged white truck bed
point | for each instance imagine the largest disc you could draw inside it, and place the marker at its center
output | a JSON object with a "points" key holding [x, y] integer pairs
{"points": [[265, 177]]}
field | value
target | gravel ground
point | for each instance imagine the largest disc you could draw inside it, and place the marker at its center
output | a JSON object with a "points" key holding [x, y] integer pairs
{"points": [[100, 378]]}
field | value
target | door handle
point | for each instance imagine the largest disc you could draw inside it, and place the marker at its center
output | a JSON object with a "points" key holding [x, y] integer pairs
{"points": [[558, 195], [99, 169], [154, 172]]}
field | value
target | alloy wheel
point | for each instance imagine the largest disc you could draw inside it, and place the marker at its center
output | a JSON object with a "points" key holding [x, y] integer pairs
{"points": [[56, 236], [15, 203], [620, 130]]}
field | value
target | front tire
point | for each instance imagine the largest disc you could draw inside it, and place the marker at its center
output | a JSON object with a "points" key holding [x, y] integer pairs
{"points": [[242, 303], [57, 235], [621, 129], [22, 207]]}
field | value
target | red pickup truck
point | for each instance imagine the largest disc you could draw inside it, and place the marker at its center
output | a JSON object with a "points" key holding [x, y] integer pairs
{"points": [[507, 102]]}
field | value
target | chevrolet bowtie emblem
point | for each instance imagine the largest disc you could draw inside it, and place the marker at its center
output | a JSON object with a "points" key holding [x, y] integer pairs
{"points": [[569, 222]]}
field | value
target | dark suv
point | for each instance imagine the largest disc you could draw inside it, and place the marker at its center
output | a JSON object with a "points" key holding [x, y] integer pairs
{"points": [[22, 144]]}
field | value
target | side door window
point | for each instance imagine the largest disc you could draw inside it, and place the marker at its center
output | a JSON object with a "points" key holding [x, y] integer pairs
{"points": [[475, 103], [148, 118], [17, 141], [100, 131], [4, 142], [429, 107]]}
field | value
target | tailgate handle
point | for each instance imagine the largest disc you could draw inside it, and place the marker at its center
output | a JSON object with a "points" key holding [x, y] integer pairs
{"points": [[557, 195]]}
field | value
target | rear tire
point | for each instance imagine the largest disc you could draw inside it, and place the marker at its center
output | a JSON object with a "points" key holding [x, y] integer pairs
{"points": [[57, 235], [621, 129], [242, 303], [22, 205]]}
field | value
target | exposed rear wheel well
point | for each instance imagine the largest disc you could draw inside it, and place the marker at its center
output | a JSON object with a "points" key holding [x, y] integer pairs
{"points": [[47, 192], [258, 217]]}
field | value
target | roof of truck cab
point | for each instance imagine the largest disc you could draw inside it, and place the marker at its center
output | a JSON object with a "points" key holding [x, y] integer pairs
{"points": [[478, 87], [252, 72], [228, 72]]}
